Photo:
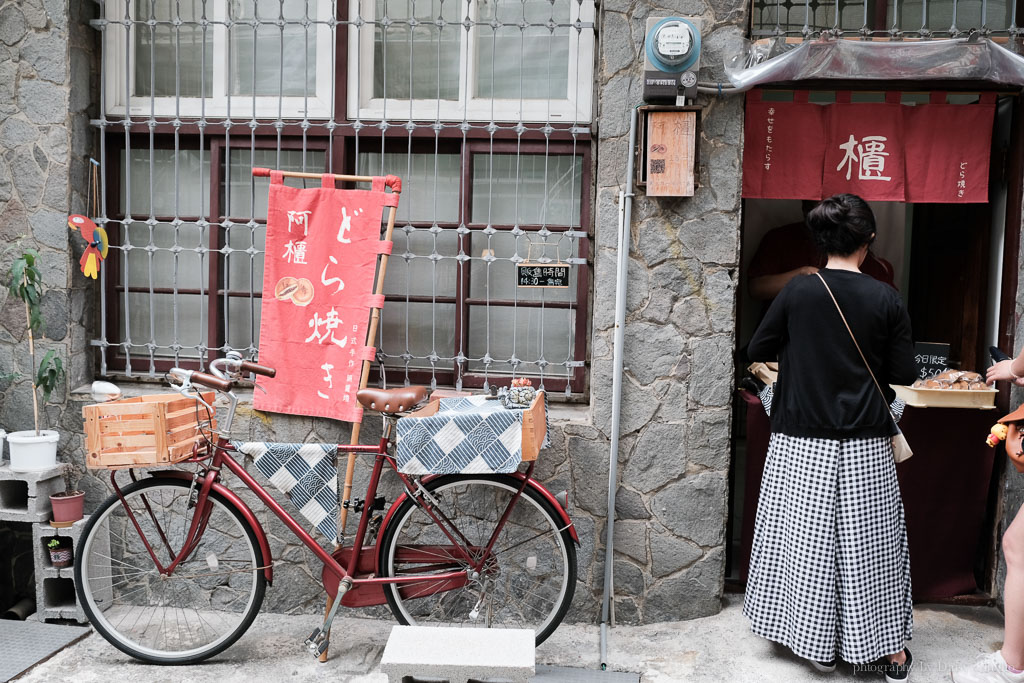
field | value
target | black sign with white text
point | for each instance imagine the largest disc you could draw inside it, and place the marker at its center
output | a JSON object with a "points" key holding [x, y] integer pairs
{"points": [[542, 275], [931, 358]]}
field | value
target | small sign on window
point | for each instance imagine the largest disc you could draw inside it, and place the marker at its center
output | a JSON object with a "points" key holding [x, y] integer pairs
{"points": [[547, 274]]}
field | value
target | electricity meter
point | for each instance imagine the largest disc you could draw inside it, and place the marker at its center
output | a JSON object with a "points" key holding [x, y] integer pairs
{"points": [[671, 58]]}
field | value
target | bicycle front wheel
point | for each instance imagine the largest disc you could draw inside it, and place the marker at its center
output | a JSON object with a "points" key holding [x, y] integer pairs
{"points": [[184, 616], [526, 581]]}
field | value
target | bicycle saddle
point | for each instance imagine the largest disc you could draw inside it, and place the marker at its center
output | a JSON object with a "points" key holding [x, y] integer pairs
{"points": [[392, 400]]}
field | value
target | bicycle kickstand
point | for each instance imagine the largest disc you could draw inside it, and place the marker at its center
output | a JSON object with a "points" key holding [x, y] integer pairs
{"points": [[319, 639]]}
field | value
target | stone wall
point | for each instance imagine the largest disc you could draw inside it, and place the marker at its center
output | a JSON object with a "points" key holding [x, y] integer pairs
{"points": [[680, 333], [48, 89]]}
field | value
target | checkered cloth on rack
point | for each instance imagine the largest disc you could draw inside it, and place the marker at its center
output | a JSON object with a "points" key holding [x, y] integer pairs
{"points": [[306, 472], [471, 435]]}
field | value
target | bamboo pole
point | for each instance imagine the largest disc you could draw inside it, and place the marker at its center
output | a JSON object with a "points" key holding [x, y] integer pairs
{"points": [[370, 334]]}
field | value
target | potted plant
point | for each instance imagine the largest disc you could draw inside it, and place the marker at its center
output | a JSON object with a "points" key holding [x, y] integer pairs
{"points": [[34, 449], [68, 506], [60, 553]]}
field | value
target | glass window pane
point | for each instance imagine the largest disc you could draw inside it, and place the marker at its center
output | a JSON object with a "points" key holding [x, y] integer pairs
{"points": [[504, 332], [243, 188], [246, 257], [430, 183], [526, 189], [417, 331], [267, 59], [497, 279], [531, 62], [153, 260], [159, 47], [180, 184], [157, 319], [422, 263], [243, 321], [419, 61]]}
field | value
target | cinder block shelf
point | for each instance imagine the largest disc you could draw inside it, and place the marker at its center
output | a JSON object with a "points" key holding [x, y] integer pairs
{"points": [[56, 597], [25, 496]]}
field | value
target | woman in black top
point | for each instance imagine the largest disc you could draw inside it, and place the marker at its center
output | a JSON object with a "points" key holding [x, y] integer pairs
{"points": [[829, 570]]}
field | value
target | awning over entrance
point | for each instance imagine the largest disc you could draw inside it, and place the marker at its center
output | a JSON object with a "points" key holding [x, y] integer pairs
{"points": [[882, 151], [967, 59]]}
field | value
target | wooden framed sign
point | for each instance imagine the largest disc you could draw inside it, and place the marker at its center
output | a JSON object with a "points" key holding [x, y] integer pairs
{"points": [[534, 274]]}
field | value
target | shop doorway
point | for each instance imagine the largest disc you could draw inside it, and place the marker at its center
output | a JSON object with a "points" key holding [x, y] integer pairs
{"points": [[949, 262]]}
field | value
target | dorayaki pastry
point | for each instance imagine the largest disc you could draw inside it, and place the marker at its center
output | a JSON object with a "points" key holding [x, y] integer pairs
{"points": [[954, 380]]}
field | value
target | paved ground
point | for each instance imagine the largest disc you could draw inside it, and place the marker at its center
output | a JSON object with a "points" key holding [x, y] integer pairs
{"points": [[719, 648]]}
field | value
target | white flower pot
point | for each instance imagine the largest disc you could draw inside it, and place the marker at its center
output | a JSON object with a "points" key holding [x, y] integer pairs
{"points": [[31, 452]]}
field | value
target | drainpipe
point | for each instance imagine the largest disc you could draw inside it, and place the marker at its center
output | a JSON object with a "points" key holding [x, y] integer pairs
{"points": [[625, 219]]}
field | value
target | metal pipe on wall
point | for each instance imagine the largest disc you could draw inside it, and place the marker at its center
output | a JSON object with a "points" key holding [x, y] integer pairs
{"points": [[625, 218]]}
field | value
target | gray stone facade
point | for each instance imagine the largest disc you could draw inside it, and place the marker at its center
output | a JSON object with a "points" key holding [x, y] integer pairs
{"points": [[48, 90]]}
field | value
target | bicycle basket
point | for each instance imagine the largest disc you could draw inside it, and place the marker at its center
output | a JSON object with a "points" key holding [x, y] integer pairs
{"points": [[144, 431]]}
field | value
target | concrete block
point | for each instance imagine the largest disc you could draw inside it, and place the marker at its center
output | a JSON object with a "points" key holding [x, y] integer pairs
{"points": [[459, 654], [25, 496], [56, 597]]}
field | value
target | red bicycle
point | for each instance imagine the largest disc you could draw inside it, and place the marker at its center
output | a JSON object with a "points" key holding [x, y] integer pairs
{"points": [[172, 568]]}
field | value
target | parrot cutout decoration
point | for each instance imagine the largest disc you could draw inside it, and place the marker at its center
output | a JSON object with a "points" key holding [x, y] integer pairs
{"points": [[97, 244]]}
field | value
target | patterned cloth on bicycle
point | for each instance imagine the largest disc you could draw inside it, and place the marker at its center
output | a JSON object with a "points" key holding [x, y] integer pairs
{"points": [[306, 472], [471, 435]]}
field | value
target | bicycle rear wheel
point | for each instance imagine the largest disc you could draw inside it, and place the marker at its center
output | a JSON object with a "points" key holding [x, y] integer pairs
{"points": [[201, 608], [527, 582]]}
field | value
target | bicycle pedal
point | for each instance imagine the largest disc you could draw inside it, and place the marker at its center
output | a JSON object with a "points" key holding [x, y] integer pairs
{"points": [[317, 642]]}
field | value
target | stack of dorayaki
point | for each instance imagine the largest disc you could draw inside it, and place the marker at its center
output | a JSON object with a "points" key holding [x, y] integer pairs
{"points": [[961, 380]]}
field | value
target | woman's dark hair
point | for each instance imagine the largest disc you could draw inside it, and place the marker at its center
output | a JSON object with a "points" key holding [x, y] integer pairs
{"points": [[841, 224]]}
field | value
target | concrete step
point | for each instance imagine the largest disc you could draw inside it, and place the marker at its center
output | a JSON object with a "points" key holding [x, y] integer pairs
{"points": [[458, 655]]}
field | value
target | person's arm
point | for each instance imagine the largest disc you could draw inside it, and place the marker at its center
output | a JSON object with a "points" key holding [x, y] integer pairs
{"points": [[1011, 370], [767, 287], [900, 363], [770, 334]]}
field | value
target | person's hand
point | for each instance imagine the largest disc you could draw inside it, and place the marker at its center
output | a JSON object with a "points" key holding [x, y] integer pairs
{"points": [[1001, 371], [808, 270]]}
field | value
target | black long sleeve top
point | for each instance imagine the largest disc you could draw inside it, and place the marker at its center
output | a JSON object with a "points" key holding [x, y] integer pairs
{"points": [[824, 390]]}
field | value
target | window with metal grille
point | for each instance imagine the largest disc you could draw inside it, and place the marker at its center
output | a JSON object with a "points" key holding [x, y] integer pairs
{"points": [[482, 108], [908, 19]]}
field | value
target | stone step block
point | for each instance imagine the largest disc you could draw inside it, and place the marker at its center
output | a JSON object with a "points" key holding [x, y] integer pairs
{"points": [[25, 496], [458, 655]]}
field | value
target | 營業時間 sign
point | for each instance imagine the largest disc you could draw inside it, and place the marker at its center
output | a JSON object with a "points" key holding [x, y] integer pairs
{"points": [[542, 275]]}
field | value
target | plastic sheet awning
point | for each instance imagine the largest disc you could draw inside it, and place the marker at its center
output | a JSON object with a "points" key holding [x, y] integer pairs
{"points": [[961, 59]]}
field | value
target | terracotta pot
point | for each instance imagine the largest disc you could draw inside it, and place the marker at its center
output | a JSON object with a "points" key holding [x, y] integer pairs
{"points": [[67, 508]]}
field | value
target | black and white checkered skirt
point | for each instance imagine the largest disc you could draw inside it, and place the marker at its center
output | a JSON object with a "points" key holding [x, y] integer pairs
{"points": [[829, 568]]}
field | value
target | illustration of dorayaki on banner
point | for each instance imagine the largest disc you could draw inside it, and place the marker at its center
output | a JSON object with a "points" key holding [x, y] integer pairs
{"points": [[318, 282]]}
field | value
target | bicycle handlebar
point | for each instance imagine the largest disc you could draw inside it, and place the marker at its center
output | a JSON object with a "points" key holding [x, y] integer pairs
{"points": [[247, 366], [210, 381]]}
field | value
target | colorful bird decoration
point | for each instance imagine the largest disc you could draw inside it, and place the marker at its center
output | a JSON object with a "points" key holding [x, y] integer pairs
{"points": [[96, 239]]}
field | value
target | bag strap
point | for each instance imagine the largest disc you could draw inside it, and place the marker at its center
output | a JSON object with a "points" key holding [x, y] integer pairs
{"points": [[870, 372]]}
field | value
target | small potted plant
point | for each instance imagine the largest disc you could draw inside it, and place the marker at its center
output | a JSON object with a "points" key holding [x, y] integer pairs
{"points": [[60, 553], [34, 449], [68, 506]]}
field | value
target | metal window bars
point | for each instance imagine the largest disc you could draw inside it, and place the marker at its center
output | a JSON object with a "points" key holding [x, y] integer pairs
{"points": [[194, 92], [886, 19]]}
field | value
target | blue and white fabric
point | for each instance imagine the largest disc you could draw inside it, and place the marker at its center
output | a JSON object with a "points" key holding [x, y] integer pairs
{"points": [[471, 435], [306, 472]]}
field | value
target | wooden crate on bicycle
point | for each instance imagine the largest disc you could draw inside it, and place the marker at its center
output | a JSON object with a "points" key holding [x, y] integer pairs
{"points": [[144, 431]]}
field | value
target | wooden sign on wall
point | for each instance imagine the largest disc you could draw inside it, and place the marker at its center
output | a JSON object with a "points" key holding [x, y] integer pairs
{"points": [[671, 142]]}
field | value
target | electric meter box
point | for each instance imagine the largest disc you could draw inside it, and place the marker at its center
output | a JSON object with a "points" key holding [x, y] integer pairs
{"points": [[671, 59]]}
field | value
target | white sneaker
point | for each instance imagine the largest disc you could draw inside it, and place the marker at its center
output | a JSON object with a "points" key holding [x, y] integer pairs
{"points": [[990, 668]]}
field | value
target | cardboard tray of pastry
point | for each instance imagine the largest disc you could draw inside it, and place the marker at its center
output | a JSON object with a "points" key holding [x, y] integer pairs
{"points": [[949, 389]]}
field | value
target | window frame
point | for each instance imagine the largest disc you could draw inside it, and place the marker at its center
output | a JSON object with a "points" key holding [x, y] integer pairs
{"points": [[316, 105], [576, 107]]}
